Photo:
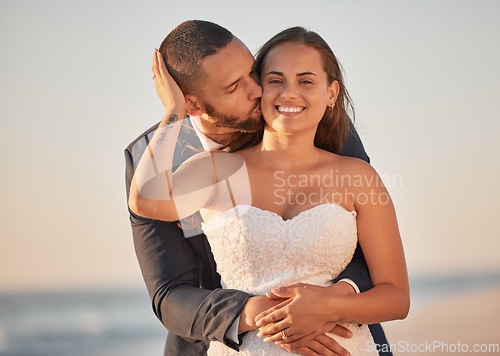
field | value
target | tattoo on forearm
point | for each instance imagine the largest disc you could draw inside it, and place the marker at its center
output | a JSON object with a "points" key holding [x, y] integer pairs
{"points": [[164, 126], [172, 118]]}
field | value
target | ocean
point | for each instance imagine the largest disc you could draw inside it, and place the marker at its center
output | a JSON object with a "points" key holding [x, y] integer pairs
{"points": [[121, 322], [100, 323]]}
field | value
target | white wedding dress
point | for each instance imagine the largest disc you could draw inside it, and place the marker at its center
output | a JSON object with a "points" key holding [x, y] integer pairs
{"points": [[257, 250]]}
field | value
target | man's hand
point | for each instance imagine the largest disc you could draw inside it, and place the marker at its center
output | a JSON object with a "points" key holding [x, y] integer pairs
{"points": [[321, 345], [301, 316], [167, 89]]}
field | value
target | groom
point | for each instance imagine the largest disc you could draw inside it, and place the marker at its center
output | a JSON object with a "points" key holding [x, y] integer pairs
{"points": [[214, 70]]}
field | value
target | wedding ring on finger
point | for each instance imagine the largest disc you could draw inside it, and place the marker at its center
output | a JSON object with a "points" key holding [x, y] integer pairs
{"points": [[283, 335]]}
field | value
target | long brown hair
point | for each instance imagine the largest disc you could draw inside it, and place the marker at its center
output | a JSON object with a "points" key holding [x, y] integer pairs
{"points": [[334, 126]]}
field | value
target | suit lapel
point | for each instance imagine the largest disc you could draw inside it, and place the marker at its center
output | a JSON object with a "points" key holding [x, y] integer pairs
{"points": [[188, 143]]}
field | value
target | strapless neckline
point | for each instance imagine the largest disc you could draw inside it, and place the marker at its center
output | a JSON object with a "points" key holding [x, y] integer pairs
{"points": [[243, 207]]}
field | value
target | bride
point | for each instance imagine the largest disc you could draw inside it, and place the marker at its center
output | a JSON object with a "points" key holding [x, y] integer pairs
{"points": [[283, 200]]}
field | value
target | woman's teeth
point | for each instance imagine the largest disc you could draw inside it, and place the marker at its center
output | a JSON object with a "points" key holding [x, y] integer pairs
{"points": [[289, 109]]}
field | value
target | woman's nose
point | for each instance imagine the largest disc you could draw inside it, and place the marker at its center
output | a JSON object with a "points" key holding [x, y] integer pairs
{"points": [[289, 91]]}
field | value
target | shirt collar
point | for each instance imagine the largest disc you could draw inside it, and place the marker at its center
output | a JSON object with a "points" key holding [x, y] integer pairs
{"points": [[206, 142]]}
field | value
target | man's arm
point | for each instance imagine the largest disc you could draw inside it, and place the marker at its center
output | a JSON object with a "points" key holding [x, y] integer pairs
{"points": [[353, 147], [171, 271], [356, 270]]}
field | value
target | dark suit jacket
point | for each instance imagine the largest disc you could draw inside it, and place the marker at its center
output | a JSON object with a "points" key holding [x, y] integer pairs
{"points": [[180, 272]]}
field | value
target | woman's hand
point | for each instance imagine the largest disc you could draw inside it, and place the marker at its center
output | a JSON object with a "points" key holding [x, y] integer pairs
{"points": [[167, 89], [302, 316]]}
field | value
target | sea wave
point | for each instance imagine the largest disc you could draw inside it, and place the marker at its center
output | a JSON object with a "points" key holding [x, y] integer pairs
{"points": [[107, 323]]}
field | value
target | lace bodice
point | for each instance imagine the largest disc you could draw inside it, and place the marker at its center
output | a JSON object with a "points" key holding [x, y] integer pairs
{"points": [[257, 250]]}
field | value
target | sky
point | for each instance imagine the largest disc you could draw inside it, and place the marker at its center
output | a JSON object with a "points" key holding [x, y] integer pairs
{"points": [[76, 88]]}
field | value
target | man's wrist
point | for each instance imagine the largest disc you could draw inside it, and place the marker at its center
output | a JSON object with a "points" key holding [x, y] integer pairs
{"points": [[253, 307], [341, 288], [247, 317], [353, 286]]}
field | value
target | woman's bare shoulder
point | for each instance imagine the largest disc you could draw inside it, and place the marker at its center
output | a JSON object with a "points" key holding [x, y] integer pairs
{"points": [[353, 164], [360, 173], [346, 163]]}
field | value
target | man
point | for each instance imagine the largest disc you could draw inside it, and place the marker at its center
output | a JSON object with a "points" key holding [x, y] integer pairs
{"points": [[214, 70]]}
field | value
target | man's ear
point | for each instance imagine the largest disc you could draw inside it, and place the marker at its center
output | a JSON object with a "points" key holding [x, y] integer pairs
{"points": [[193, 106]]}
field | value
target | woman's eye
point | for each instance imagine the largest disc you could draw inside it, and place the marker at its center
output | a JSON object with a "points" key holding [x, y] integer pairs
{"points": [[274, 81]]}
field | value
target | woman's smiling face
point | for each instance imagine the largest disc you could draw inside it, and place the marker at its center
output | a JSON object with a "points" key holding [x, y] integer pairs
{"points": [[295, 86]]}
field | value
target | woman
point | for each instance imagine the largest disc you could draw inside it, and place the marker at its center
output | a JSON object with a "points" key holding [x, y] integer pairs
{"points": [[279, 200]]}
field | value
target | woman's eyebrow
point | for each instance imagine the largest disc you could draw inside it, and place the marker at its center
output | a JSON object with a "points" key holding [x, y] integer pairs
{"points": [[306, 73], [298, 74], [275, 73]]}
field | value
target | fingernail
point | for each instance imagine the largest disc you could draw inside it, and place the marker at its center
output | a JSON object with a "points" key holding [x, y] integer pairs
{"points": [[259, 334], [349, 334], [259, 323]]}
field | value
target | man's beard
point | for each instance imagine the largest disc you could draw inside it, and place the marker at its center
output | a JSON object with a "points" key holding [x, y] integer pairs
{"points": [[252, 122]]}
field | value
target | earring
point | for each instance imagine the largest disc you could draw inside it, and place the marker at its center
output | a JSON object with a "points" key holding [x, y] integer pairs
{"points": [[331, 106]]}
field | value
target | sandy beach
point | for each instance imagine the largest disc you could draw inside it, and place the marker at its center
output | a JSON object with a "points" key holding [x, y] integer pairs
{"points": [[451, 325]]}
